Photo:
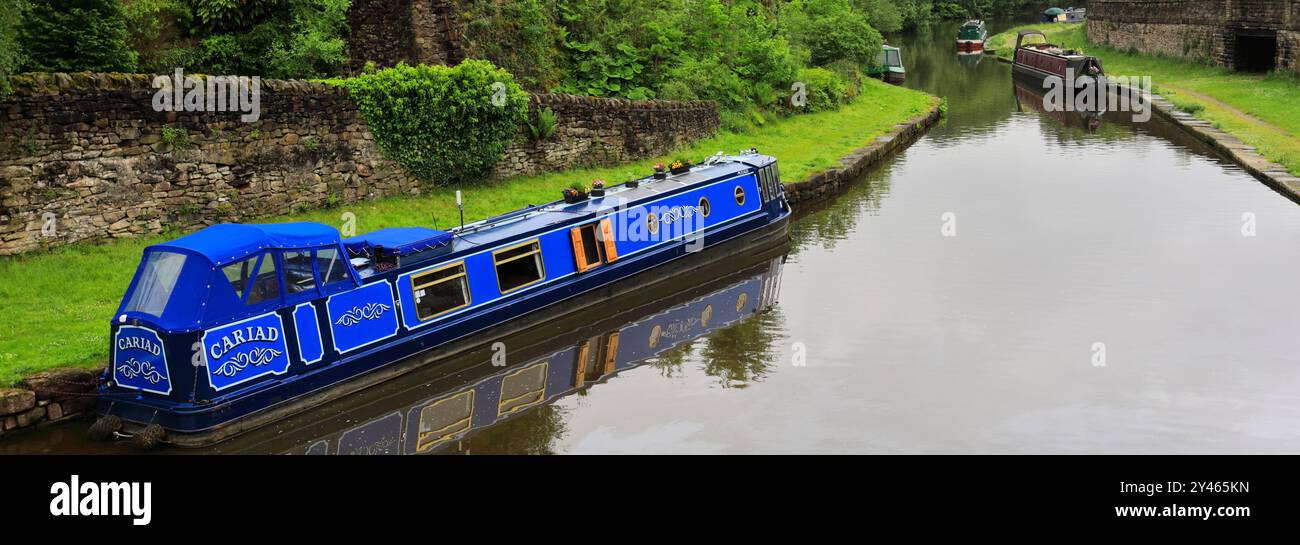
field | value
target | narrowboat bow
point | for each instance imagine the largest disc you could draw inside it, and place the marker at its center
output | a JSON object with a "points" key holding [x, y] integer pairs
{"points": [[971, 36], [235, 326]]}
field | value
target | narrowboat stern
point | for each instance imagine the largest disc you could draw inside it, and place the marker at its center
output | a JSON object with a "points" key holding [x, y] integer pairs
{"points": [[889, 66], [235, 326]]}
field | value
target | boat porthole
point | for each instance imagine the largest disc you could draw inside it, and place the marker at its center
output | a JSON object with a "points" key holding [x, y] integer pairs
{"points": [[654, 336], [704, 206], [652, 223], [740, 301], [706, 316], [740, 195]]}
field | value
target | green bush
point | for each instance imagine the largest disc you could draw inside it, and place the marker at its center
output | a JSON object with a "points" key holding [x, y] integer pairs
{"points": [[10, 55], [316, 48], [442, 123], [833, 30], [75, 35], [825, 90], [545, 125]]}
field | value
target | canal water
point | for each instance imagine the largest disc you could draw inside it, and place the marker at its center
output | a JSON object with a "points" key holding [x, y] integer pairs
{"points": [[1014, 282]]}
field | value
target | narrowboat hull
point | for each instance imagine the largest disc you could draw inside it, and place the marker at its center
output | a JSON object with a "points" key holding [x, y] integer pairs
{"points": [[579, 350], [206, 422]]}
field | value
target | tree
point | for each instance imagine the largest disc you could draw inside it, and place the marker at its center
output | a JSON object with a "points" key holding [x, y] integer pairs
{"points": [[833, 30], [75, 35], [10, 55]]}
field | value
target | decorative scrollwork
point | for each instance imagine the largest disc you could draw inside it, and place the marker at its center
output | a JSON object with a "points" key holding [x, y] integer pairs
{"points": [[359, 314], [132, 368], [256, 357]]}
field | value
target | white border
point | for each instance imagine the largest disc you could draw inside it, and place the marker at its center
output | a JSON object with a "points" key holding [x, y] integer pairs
{"points": [[320, 339], [206, 358], [396, 313], [162, 345]]}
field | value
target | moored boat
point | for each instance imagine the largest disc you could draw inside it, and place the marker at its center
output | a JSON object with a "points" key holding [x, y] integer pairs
{"points": [[889, 66], [971, 35], [235, 326], [1040, 59]]}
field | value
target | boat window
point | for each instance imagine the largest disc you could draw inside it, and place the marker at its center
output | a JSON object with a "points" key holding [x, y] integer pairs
{"points": [[519, 266], [440, 291], [586, 249], [157, 280], [762, 183], [254, 279], [704, 207], [740, 195], [444, 419], [332, 270], [652, 223], [891, 58], [522, 389], [298, 275]]}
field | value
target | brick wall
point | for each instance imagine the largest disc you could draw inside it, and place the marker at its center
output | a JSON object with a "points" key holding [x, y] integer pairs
{"points": [[1202, 29]]}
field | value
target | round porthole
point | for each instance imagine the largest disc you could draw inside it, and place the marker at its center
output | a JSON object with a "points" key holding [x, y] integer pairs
{"points": [[652, 223], [704, 206], [654, 336], [740, 195], [740, 301], [706, 316]]}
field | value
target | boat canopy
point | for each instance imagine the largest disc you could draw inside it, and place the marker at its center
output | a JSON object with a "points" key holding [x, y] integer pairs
{"points": [[399, 241], [229, 242], [231, 271]]}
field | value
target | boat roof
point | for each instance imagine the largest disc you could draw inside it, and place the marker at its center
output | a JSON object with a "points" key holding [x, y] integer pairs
{"points": [[888, 47], [230, 242], [399, 240], [973, 22]]}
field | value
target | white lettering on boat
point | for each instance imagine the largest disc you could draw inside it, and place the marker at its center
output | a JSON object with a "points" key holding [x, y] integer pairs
{"points": [[234, 339]]}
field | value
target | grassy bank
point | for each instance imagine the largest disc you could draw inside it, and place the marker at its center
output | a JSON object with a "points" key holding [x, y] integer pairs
{"points": [[1261, 110], [57, 305]]}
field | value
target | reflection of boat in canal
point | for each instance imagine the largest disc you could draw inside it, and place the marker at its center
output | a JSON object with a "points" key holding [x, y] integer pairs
{"points": [[970, 59], [436, 410], [1030, 97]]}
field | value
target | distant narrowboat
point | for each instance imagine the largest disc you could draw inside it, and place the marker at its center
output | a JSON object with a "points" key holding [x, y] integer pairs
{"points": [[889, 66], [1041, 60], [971, 36], [235, 326]]}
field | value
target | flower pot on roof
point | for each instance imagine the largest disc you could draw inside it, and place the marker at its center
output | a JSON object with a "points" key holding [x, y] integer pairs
{"points": [[681, 166], [661, 171], [598, 188], [574, 194]]}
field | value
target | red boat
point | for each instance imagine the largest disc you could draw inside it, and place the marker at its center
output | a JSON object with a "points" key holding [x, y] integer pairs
{"points": [[1041, 60]]}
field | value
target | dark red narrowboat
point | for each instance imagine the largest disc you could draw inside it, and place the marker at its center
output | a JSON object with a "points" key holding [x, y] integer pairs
{"points": [[1040, 60]]}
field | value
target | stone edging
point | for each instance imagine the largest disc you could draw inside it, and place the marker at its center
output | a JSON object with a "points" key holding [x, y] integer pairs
{"points": [[47, 397], [853, 165], [1244, 155]]}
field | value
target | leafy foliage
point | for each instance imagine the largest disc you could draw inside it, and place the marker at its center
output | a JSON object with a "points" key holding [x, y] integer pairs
{"points": [[442, 123], [75, 35], [825, 90], [10, 55], [833, 30], [545, 125]]}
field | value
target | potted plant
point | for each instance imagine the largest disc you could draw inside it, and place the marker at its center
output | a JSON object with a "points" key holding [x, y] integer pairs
{"points": [[660, 171], [598, 188], [576, 192], [680, 166]]}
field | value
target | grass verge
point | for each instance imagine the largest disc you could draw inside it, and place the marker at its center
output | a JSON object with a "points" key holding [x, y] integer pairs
{"points": [[57, 304], [1263, 110]]}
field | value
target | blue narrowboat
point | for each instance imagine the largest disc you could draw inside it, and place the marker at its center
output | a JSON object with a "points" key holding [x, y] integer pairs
{"points": [[235, 326]]}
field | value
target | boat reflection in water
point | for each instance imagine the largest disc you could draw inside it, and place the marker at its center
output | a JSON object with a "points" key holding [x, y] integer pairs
{"points": [[1031, 97], [437, 412], [970, 59]]}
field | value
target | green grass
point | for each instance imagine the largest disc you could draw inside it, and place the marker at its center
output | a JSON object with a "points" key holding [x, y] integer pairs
{"points": [[1261, 110], [57, 305]]}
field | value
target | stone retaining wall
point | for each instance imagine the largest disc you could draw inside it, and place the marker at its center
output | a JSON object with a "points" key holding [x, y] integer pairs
{"points": [[1200, 30], [86, 157], [46, 398], [854, 165]]}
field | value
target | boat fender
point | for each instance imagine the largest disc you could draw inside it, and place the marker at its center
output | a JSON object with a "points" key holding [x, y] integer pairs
{"points": [[104, 428], [149, 437]]}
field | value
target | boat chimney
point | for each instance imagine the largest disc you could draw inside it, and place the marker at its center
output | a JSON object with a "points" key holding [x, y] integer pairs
{"points": [[461, 208]]}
